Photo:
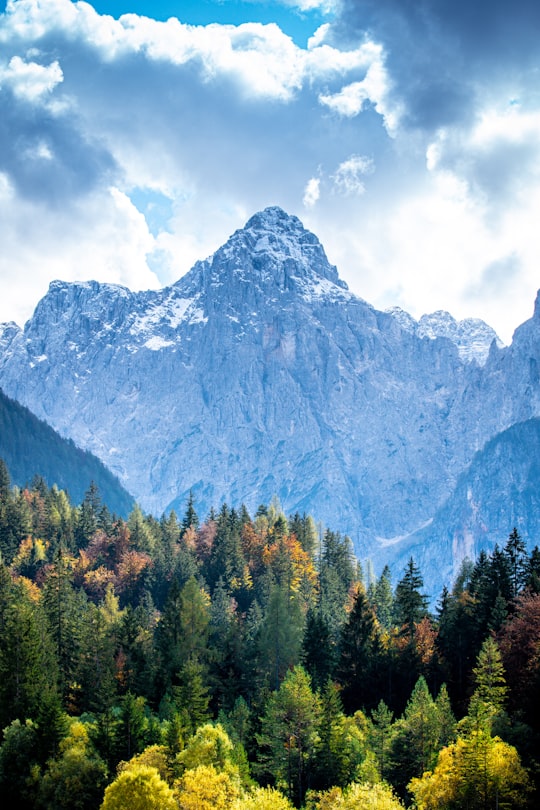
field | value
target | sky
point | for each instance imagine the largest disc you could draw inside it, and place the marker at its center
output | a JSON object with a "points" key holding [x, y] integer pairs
{"points": [[135, 137]]}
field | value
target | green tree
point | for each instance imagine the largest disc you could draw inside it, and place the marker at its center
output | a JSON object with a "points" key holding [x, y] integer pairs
{"points": [[487, 701], [360, 656], [410, 604], [18, 765], [191, 695], [191, 518], [343, 747], [289, 734], [516, 553], [281, 633], [210, 745], [319, 652], [380, 737], [66, 612], [76, 777], [384, 599], [27, 664], [415, 742]]}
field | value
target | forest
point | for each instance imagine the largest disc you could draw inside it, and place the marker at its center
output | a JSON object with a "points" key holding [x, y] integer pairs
{"points": [[248, 662]]}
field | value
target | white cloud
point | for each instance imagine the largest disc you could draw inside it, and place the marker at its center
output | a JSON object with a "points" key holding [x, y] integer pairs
{"points": [[30, 80], [312, 192], [106, 240], [224, 120], [261, 58], [349, 174], [324, 6]]}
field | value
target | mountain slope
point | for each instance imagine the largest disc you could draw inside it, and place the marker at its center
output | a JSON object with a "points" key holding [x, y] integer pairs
{"points": [[260, 373], [500, 490], [30, 447]]}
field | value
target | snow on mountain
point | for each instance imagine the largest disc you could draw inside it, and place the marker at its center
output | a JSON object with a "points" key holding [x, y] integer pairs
{"points": [[259, 373], [472, 336]]}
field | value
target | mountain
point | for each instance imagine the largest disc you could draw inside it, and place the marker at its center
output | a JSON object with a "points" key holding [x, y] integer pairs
{"points": [[30, 447], [498, 491], [472, 336], [259, 373]]}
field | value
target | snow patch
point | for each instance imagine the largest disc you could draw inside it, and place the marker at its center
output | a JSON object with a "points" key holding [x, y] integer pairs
{"points": [[155, 343]]}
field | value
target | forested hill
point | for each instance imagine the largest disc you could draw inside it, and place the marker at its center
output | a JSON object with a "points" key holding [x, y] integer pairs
{"points": [[31, 447], [247, 663]]}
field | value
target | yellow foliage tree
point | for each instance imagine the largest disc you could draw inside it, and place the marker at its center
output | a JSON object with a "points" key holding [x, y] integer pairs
{"points": [[139, 788], [357, 796], [476, 772], [205, 788], [155, 756], [210, 745], [260, 798]]}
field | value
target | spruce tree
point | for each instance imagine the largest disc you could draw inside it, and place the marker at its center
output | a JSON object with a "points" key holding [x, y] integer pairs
{"points": [[360, 654], [410, 604]]}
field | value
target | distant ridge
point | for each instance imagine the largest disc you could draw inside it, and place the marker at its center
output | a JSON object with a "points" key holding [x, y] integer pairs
{"points": [[30, 447]]}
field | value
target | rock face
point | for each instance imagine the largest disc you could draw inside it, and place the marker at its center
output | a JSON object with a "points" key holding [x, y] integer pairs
{"points": [[472, 336], [260, 373]]}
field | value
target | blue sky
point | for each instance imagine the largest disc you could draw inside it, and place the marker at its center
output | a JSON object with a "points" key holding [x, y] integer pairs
{"points": [[297, 23], [406, 136]]}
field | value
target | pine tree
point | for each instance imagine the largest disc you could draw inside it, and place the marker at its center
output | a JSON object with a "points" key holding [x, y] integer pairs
{"points": [[289, 734], [319, 652], [380, 737], [489, 696], [410, 605], [384, 599], [191, 518], [360, 654], [415, 744], [516, 554], [192, 695], [281, 632]]}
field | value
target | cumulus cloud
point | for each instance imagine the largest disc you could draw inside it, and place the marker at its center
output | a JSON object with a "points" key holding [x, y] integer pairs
{"points": [[443, 56], [30, 80], [130, 148]]}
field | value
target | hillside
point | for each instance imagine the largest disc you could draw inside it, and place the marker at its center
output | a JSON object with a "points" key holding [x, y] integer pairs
{"points": [[31, 447]]}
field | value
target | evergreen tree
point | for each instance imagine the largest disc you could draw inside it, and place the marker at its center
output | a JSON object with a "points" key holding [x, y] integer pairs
{"points": [[66, 612], [384, 599], [533, 571], [226, 558], [19, 760], [380, 737], [490, 691], [415, 743], [319, 652], [360, 655], [410, 604], [516, 553], [289, 734], [191, 695], [27, 664], [281, 632], [191, 518]]}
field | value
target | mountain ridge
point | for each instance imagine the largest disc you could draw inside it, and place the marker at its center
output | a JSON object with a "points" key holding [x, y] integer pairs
{"points": [[259, 373]]}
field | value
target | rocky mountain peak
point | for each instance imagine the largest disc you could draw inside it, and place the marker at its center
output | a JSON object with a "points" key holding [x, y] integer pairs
{"points": [[273, 249]]}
